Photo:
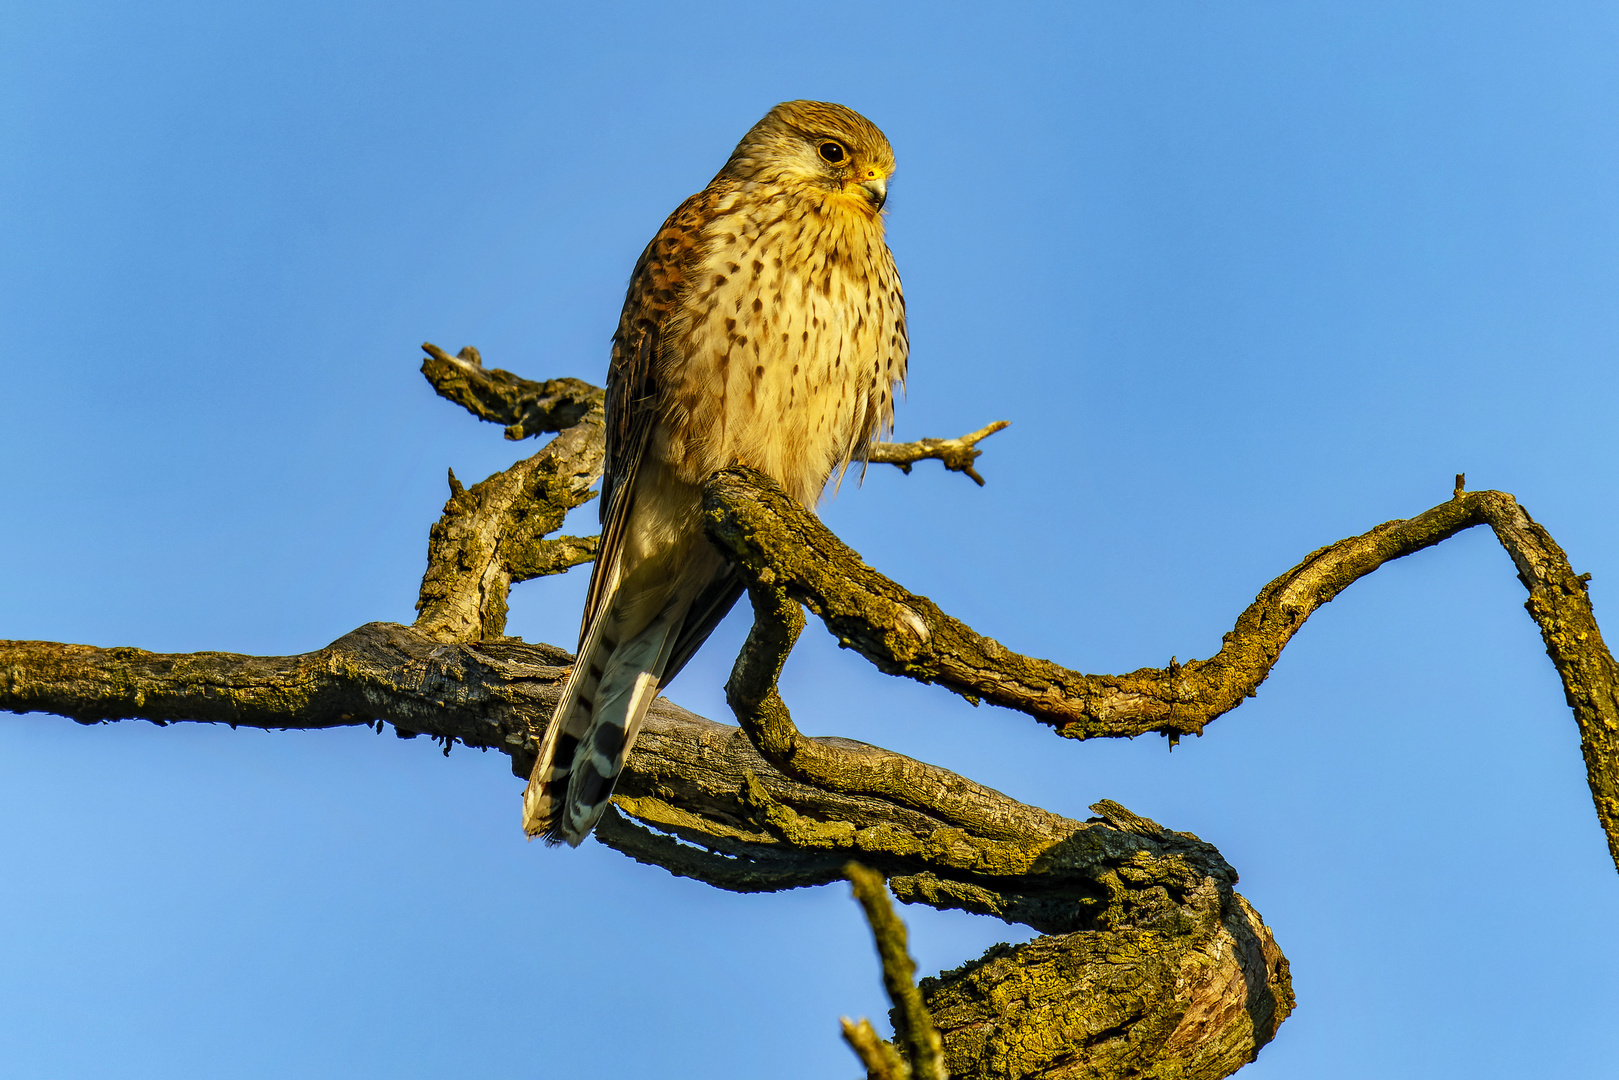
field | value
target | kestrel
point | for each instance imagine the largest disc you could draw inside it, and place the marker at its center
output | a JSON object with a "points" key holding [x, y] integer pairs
{"points": [[764, 325]]}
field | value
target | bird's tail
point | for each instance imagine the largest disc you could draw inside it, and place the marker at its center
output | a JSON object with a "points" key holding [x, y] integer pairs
{"points": [[614, 679]]}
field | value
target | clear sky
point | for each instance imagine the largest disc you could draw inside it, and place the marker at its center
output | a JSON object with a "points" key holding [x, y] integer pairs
{"points": [[1246, 278]]}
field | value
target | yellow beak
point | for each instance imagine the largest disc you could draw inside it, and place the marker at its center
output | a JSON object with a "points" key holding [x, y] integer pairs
{"points": [[876, 190]]}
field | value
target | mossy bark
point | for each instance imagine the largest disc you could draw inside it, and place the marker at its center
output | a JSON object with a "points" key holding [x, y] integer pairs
{"points": [[1149, 964], [698, 799], [781, 546]]}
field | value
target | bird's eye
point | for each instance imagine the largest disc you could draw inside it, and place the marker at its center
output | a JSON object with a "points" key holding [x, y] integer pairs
{"points": [[833, 153]]}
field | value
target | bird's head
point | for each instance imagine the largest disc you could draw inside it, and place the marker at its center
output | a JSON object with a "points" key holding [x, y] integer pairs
{"points": [[819, 146]]}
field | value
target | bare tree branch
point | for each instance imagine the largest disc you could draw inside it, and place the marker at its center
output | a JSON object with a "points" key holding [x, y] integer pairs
{"points": [[781, 546], [525, 407], [853, 769], [493, 535], [877, 1054], [689, 778], [704, 804], [957, 455], [1149, 962], [913, 1027]]}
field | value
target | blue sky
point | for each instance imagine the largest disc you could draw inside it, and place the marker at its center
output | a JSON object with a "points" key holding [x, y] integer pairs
{"points": [[1246, 278]]}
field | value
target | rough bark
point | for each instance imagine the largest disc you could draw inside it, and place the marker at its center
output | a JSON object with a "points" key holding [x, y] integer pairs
{"points": [[781, 546], [495, 534], [1149, 963], [1145, 921]]}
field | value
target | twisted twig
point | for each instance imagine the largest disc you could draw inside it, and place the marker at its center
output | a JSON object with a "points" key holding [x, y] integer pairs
{"points": [[525, 407]]}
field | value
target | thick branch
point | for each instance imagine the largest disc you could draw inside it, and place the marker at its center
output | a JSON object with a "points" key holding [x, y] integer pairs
{"points": [[688, 777], [782, 546], [1151, 962], [706, 805], [854, 769]]}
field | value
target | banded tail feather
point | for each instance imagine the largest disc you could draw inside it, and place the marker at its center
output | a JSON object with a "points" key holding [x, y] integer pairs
{"points": [[614, 680]]}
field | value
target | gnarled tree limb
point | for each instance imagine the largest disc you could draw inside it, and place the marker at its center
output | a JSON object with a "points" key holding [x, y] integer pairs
{"points": [[1149, 962], [855, 769], [1149, 914], [493, 535], [525, 407], [781, 546]]}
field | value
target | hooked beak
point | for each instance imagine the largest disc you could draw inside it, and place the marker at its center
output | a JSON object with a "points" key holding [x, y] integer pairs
{"points": [[876, 190]]}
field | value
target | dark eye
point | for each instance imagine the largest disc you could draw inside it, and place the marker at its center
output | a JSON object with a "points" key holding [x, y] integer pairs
{"points": [[833, 153]]}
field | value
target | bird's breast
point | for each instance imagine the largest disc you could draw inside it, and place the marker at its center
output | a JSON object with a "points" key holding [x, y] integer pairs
{"points": [[791, 339]]}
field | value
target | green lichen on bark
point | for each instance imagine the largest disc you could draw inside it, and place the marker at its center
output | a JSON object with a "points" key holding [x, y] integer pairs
{"points": [[1112, 1003], [712, 808], [1174, 976]]}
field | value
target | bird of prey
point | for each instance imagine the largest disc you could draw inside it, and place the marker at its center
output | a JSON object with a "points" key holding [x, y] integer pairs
{"points": [[764, 325]]}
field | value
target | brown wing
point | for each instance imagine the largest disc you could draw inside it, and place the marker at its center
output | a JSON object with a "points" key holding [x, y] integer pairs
{"points": [[657, 286]]}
